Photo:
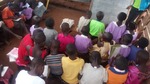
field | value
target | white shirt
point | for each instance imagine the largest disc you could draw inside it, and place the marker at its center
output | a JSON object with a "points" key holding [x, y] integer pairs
{"points": [[93, 75], [24, 78]]}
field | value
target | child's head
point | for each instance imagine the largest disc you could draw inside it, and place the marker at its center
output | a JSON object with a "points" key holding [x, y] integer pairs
{"points": [[143, 42], [13, 7], [88, 14], [99, 15], [107, 37], [65, 28], [36, 20], [131, 26], [95, 58], [142, 57], [85, 30], [49, 22], [37, 66], [122, 16], [55, 44], [126, 39], [71, 51], [121, 62], [39, 37]]}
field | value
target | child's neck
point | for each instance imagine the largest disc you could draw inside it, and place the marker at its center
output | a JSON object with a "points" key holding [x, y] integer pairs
{"points": [[54, 52], [65, 34], [119, 23], [73, 58], [36, 25], [32, 72]]}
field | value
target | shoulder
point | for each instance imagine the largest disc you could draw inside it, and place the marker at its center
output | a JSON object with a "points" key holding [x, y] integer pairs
{"points": [[39, 81]]}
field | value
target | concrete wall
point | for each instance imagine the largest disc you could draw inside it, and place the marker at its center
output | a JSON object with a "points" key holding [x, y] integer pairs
{"points": [[111, 8]]}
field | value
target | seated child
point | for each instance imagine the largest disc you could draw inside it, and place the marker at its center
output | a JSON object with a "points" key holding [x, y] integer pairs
{"points": [[36, 24], [96, 26], [117, 74], [53, 60], [71, 65], [93, 72], [33, 75], [139, 72], [65, 38], [49, 31], [84, 21], [26, 48], [123, 48], [117, 29], [142, 43], [103, 45], [83, 43]]}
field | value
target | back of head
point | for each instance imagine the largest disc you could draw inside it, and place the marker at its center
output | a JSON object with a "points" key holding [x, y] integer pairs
{"points": [[55, 44], [107, 36], [126, 39], [95, 58], [38, 36], [65, 27], [143, 42], [71, 50], [13, 7], [49, 22], [121, 63], [122, 16], [89, 14], [99, 15], [142, 57], [36, 19], [131, 26], [37, 65], [85, 30]]}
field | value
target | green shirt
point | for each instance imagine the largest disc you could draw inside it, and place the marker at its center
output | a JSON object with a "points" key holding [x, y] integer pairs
{"points": [[96, 28], [137, 3]]}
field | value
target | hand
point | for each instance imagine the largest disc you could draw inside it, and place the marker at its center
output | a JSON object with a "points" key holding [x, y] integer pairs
{"points": [[129, 7]]}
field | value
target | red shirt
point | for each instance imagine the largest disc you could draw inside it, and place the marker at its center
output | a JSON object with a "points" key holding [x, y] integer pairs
{"points": [[64, 41], [22, 52]]}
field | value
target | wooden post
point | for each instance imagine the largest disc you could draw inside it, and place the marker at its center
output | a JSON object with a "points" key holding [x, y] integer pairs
{"points": [[47, 3]]}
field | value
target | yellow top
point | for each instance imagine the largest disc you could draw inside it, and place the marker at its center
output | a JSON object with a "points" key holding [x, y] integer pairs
{"points": [[71, 69]]}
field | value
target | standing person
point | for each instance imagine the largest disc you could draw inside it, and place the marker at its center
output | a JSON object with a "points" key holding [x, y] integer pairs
{"points": [[33, 75], [96, 26], [84, 21], [139, 72], [117, 29], [49, 31], [65, 38], [137, 8], [93, 70], [71, 65]]}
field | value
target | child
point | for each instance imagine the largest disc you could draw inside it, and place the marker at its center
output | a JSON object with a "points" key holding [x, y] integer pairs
{"points": [[49, 31], [118, 73], [83, 43], [84, 21], [26, 48], [65, 38], [139, 72], [93, 72], [96, 26], [32, 76], [36, 24], [142, 43], [71, 65], [54, 59], [103, 45], [117, 29]]}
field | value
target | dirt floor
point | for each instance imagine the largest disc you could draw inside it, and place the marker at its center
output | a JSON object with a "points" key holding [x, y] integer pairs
{"points": [[58, 13]]}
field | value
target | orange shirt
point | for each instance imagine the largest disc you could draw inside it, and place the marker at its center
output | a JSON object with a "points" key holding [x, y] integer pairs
{"points": [[7, 13], [115, 77]]}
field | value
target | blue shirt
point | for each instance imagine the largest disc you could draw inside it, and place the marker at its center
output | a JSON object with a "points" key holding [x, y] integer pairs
{"points": [[144, 4]]}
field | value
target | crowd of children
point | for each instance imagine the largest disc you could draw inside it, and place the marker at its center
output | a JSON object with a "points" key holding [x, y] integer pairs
{"points": [[98, 54]]}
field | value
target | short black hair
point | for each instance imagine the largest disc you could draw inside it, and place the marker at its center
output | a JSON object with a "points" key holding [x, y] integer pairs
{"points": [[122, 16], [55, 44], [71, 50], [126, 39], [49, 22], [85, 30], [65, 27], [131, 26], [142, 57], [100, 15], [38, 36], [96, 57], [121, 62], [36, 19], [143, 42], [89, 14], [107, 36]]}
